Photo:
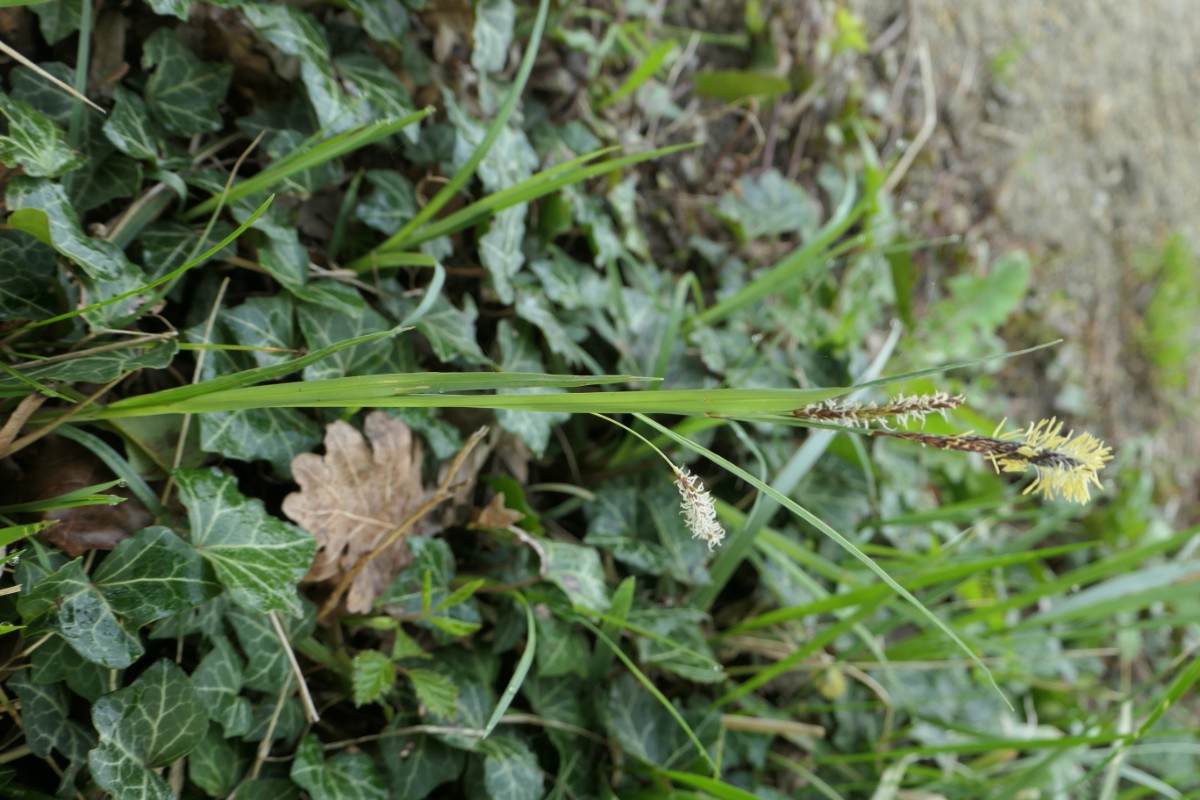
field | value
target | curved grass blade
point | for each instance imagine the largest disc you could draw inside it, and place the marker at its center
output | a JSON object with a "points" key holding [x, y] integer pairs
{"points": [[841, 540], [522, 669]]}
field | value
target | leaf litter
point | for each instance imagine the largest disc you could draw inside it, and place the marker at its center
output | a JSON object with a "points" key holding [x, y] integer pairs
{"points": [[365, 497]]}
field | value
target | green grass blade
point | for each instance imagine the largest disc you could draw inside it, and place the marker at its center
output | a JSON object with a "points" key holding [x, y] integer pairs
{"points": [[502, 116], [170, 276], [306, 157], [117, 464], [79, 498], [711, 786], [841, 540], [16, 533], [645, 70], [418, 390], [522, 669], [809, 257]]}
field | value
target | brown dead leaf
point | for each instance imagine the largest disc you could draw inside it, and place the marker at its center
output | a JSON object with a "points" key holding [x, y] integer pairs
{"points": [[354, 497], [497, 515], [57, 466]]}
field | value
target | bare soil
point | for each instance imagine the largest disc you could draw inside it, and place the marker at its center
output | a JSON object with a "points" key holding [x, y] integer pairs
{"points": [[1068, 129]]}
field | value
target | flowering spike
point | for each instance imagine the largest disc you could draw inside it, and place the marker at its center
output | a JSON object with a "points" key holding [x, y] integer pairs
{"points": [[1066, 465], [855, 414], [696, 506]]}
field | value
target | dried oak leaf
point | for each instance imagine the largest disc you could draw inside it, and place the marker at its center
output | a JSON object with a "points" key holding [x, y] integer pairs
{"points": [[351, 498]]}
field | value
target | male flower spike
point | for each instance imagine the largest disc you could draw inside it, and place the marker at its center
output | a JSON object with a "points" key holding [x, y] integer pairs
{"points": [[1066, 465]]}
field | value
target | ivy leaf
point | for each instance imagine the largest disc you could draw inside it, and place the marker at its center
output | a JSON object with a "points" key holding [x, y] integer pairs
{"points": [[58, 20], [641, 726], [154, 574], [173, 8], [298, 34], [152, 723], [346, 776], [510, 770], [451, 331], [26, 293], [257, 557], [102, 180], [368, 78], [371, 675], [768, 205], [266, 662], [130, 129], [68, 604], [577, 571], [218, 681], [390, 204], [34, 142], [43, 209], [217, 763], [383, 20], [562, 650], [57, 661], [263, 322], [167, 245], [102, 367], [184, 94], [492, 33], [436, 691], [418, 765], [500, 249], [30, 87], [46, 719], [322, 327]]}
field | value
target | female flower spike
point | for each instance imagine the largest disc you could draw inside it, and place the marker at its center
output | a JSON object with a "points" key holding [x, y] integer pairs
{"points": [[696, 506]]}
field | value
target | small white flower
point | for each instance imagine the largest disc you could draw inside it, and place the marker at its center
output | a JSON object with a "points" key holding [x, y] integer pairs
{"points": [[697, 509]]}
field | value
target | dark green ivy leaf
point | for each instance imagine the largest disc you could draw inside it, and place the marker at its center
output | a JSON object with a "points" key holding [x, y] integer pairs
{"points": [[258, 558], [152, 723], [183, 93], [34, 142], [345, 776]]}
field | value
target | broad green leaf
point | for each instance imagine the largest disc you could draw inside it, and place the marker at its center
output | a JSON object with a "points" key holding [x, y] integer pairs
{"points": [[437, 693], [641, 726], [265, 322], [533, 308], [577, 571], [266, 666], [68, 604], [500, 249], [419, 764], [217, 763], [383, 20], [368, 78], [154, 574], [30, 87], [257, 557], [682, 649], [25, 293], [345, 776], [57, 661], [451, 331], [322, 327], [390, 203], [46, 719], [511, 158], [768, 205], [101, 367], [218, 682], [276, 435], [510, 770], [269, 789], [130, 129], [59, 19], [168, 245], [493, 33], [298, 34], [562, 650], [34, 142], [102, 180], [518, 353], [371, 676], [97, 258], [173, 8], [152, 723], [183, 93]]}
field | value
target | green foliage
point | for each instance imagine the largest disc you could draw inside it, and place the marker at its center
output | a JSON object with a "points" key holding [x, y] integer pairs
{"points": [[489, 260]]}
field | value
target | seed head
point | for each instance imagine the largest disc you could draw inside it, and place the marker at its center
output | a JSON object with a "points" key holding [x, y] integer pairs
{"points": [[696, 506]]}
